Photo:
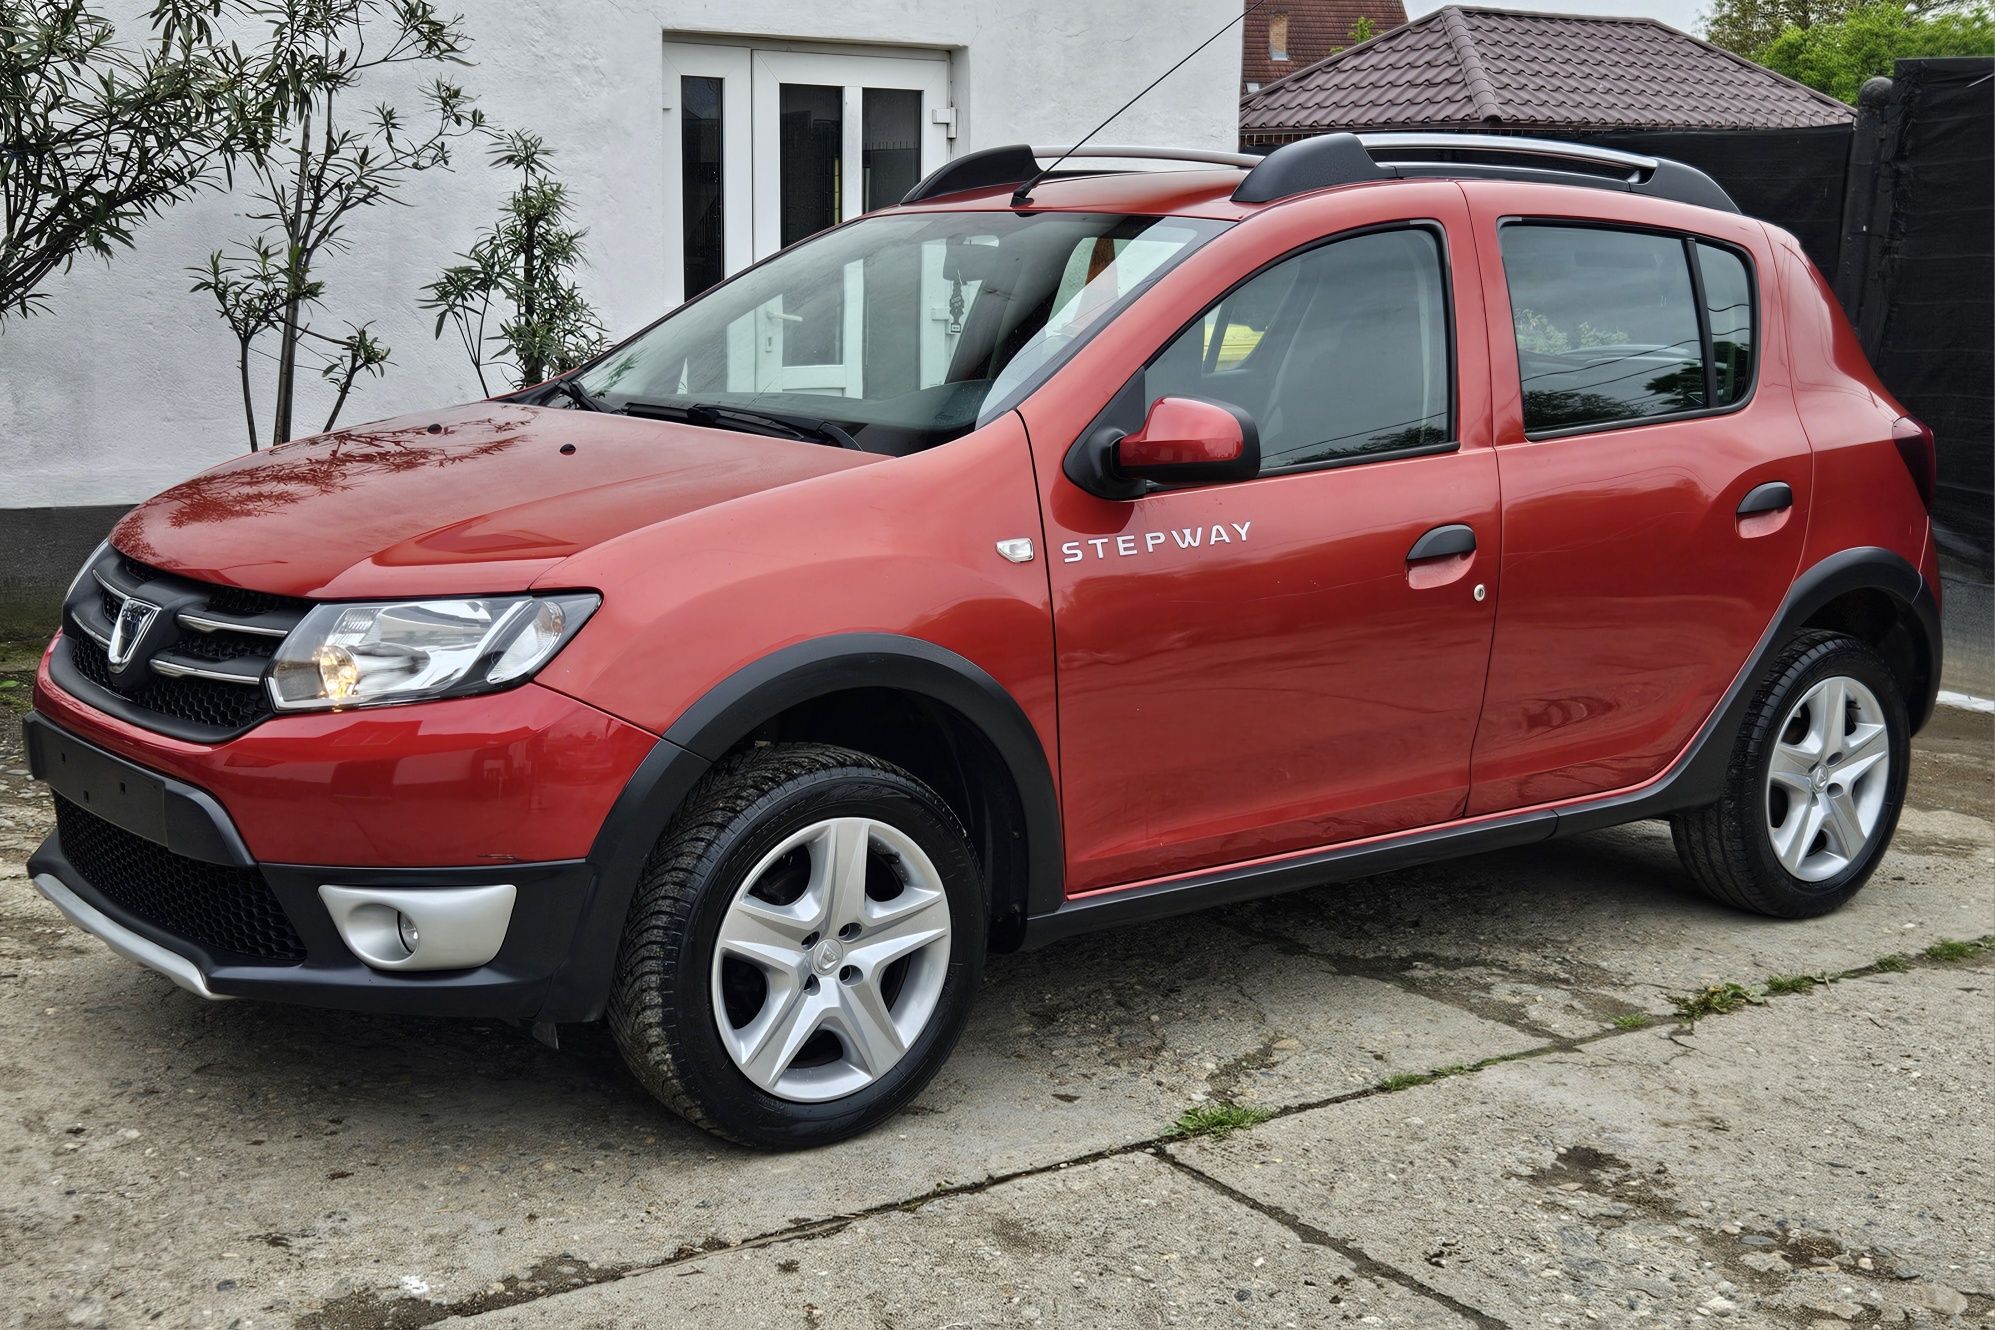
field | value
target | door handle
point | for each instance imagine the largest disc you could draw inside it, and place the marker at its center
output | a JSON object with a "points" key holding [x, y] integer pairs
{"points": [[1441, 542], [1771, 497]]}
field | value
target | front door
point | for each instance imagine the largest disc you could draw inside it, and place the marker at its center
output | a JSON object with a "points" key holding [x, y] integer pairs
{"points": [[770, 145], [1269, 666]]}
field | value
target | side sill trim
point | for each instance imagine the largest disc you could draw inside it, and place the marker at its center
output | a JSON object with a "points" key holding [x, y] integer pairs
{"points": [[124, 941], [1204, 890]]}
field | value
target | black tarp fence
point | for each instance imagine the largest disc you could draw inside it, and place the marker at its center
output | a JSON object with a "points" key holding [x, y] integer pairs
{"points": [[1917, 272], [1794, 178]]}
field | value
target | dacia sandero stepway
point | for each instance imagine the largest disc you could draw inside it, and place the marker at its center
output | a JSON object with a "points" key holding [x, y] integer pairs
{"points": [[1055, 549]]}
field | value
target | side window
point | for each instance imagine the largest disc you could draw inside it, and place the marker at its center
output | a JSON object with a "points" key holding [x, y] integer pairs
{"points": [[1608, 326], [1339, 352], [1728, 302]]}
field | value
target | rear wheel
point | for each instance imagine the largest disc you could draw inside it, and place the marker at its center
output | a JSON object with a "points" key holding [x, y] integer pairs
{"points": [[1815, 786], [802, 950]]}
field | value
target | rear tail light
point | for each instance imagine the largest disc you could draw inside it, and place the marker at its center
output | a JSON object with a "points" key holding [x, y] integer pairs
{"points": [[1915, 445]]}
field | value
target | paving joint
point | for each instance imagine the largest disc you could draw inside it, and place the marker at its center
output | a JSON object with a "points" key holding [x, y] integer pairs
{"points": [[1309, 1233]]}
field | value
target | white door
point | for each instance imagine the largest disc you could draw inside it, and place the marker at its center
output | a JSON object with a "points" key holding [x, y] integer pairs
{"points": [[765, 146]]}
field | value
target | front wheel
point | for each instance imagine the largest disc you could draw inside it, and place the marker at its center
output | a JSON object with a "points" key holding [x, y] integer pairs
{"points": [[802, 950], [1815, 785]]}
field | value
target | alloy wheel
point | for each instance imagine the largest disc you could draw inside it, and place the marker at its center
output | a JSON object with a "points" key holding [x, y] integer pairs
{"points": [[830, 959], [1828, 778]]}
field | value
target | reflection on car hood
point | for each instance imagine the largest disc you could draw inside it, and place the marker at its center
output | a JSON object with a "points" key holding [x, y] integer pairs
{"points": [[478, 498]]}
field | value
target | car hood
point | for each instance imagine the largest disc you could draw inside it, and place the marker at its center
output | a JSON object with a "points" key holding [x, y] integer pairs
{"points": [[480, 498]]}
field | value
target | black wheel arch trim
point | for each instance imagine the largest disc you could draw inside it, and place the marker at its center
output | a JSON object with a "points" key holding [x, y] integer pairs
{"points": [[1697, 779], [732, 710]]}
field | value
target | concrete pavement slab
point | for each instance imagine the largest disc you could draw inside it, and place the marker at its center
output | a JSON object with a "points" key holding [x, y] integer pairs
{"points": [[1126, 1242], [1821, 1159]]}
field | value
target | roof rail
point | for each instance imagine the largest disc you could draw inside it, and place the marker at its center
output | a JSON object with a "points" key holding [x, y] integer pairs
{"points": [[1014, 163], [1345, 159]]}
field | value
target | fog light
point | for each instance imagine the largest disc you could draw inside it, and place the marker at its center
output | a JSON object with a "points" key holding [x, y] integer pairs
{"points": [[421, 928]]}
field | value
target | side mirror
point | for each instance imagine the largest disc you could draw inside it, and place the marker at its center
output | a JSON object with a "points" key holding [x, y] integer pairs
{"points": [[1186, 440]]}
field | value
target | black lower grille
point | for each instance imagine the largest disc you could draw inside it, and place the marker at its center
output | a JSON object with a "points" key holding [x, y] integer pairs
{"points": [[214, 905]]}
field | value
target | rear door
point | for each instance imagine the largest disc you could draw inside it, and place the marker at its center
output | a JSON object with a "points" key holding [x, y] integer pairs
{"points": [[1655, 483], [1268, 666]]}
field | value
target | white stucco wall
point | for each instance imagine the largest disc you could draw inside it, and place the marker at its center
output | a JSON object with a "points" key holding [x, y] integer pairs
{"points": [[128, 385]]}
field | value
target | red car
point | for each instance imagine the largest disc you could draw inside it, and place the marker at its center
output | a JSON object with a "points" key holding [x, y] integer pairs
{"points": [[1051, 551]]}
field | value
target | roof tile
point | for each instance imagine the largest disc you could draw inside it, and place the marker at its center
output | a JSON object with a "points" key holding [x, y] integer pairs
{"points": [[1471, 68]]}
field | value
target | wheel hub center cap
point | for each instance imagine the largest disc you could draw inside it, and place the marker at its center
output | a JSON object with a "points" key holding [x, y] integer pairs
{"points": [[1820, 780], [826, 956]]}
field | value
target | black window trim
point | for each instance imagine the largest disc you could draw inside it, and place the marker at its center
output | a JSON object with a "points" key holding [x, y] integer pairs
{"points": [[1690, 240], [1453, 443]]}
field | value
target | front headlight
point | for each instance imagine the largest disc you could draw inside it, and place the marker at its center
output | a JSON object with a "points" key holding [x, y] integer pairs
{"points": [[413, 650]]}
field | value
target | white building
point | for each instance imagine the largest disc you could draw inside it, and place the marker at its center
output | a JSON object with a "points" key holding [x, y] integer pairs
{"points": [[667, 117]]}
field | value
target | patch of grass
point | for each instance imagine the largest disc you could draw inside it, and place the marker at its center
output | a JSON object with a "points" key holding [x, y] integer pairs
{"points": [[1716, 1000], [1948, 949], [1892, 964], [1218, 1120], [1406, 1080], [1630, 1020], [1793, 983]]}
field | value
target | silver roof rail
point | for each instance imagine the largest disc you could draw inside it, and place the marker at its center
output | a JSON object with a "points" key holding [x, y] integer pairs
{"points": [[1633, 165], [1139, 153], [1014, 163], [1344, 159]]}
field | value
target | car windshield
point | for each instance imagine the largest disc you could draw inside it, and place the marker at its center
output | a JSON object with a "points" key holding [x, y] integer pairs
{"points": [[899, 332]]}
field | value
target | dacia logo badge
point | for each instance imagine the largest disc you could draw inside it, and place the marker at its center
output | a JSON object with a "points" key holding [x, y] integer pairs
{"points": [[128, 630]]}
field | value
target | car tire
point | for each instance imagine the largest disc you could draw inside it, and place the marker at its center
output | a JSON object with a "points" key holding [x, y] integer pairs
{"points": [[774, 998], [1812, 775]]}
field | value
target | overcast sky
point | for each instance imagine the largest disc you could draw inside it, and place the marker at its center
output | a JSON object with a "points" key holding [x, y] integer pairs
{"points": [[1686, 15]]}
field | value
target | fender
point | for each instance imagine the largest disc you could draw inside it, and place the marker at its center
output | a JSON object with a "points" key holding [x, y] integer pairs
{"points": [[733, 710]]}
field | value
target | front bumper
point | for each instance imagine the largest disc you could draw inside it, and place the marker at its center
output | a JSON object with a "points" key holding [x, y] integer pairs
{"points": [[176, 890]]}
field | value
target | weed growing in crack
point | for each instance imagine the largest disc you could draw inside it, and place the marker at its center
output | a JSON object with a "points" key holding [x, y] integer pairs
{"points": [[1717, 1000], [1892, 964], [1794, 983], [1406, 1080], [1949, 949], [1630, 1020], [1218, 1120]]}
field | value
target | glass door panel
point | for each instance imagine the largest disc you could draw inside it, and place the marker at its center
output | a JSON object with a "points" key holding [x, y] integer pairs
{"points": [[891, 135], [709, 213]]}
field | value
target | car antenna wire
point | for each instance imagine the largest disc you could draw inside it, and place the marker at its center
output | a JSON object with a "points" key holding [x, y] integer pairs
{"points": [[1023, 194]]}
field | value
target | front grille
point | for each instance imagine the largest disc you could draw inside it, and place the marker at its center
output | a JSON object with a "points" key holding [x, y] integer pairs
{"points": [[223, 708], [244, 629], [216, 906]]}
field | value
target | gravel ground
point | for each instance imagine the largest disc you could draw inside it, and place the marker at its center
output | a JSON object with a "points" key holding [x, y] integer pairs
{"points": [[1484, 1109]]}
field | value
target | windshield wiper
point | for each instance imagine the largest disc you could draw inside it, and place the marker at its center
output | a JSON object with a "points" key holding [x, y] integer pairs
{"points": [[577, 394], [713, 414]]}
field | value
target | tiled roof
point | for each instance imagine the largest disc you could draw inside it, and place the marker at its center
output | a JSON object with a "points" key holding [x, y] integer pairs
{"points": [[1463, 68], [1315, 29]]}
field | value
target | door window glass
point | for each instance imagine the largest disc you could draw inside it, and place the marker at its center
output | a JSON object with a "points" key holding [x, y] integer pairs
{"points": [[1728, 301], [1607, 328], [700, 180], [1337, 353]]}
